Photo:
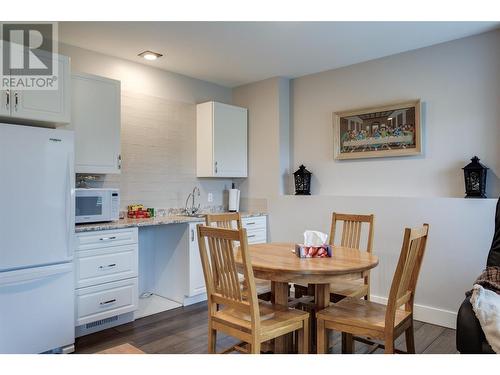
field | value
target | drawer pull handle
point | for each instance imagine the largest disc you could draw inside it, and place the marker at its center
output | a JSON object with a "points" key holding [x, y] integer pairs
{"points": [[252, 223], [109, 266], [250, 236], [108, 238], [108, 302]]}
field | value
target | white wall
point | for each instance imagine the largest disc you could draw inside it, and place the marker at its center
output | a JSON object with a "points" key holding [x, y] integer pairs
{"points": [[459, 85], [158, 130], [459, 240]]}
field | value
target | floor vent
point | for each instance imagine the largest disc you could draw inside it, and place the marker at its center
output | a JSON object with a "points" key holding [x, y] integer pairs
{"points": [[99, 325], [101, 322]]}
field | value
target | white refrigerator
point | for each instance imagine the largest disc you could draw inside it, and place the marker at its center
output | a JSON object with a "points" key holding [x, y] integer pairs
{"points": [[36, 239]]}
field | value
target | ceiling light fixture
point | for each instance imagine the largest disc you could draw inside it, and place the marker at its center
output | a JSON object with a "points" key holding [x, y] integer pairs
{"points": [[150, 55]]}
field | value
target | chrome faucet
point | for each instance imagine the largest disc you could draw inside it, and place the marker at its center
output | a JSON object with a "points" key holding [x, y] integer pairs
{"points": [[191, 211]]}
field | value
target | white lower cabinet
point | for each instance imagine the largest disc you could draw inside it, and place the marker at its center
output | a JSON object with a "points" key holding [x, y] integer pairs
{"points": [[106, 268], [196, 280], [106, 300], [256, 227], [107, 264]]}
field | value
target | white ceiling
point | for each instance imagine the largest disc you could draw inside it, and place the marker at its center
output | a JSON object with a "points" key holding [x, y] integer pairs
{"points": [[235, 53]]}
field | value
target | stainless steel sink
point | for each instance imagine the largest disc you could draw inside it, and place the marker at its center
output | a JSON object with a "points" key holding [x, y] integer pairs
{"points": [[193, 215]]}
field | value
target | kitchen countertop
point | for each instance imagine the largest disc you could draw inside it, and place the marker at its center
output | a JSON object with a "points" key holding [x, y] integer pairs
{"points": [[160, 220]]}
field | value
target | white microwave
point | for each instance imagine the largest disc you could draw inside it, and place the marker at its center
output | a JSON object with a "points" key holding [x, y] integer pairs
{"points": [[97, 205]]}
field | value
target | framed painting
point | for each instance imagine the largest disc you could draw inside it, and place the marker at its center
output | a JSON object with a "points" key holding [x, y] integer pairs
{"points": [[390, 130]]}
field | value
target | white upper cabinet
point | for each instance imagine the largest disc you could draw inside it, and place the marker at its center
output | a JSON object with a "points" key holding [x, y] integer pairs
{"points": [[221, 140], [41, 106], [95, 117], [4, 103]]}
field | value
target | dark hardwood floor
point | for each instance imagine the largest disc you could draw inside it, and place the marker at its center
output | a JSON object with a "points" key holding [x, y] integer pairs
{"points": [[184, 330]]}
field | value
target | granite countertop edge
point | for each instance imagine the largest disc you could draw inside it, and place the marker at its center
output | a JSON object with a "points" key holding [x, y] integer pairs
{"points": [[162, 220]]}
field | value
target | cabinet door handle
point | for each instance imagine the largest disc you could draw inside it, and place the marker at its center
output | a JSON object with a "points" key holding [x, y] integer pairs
{"points": [[216, 168], [119, 162], [192, 235], [107, 302], [7, 99], [107, 238], [107, 267], [16, 101]]}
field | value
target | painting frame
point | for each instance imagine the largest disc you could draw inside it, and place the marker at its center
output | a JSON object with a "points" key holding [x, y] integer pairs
{"points": [[340, 152]]}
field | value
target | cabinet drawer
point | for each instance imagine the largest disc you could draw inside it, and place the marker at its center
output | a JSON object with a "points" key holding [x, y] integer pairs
{"points": [[258, 222], [107, 300], [106, 264], [257, 236], [105, 238]]}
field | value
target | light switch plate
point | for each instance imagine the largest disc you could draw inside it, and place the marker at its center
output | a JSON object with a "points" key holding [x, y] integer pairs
{"points": [[210, 198]]}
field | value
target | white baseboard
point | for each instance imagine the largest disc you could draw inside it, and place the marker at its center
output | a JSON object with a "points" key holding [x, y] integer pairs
{"points": [[195, 299], [428, 314]]}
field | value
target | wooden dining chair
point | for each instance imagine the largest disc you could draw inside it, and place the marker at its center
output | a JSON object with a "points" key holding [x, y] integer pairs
{"points": [[351, 237], [233, 312], [358, 317], [232, 220], [358, 287]]}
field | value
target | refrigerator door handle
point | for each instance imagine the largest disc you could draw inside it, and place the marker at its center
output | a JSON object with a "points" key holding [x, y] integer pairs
{"points": [[70, 214], [26, 276]]}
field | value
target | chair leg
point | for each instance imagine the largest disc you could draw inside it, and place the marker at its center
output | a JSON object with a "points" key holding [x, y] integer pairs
{"points": [[255, 347], [389, 345], [310, 289], [212, 339], [303, 338], [321, 337], [410, 340], [347, 343], [298, 291]]}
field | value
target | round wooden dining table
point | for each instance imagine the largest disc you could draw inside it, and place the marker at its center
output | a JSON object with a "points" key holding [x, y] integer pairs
{"points": [[278, 263]]}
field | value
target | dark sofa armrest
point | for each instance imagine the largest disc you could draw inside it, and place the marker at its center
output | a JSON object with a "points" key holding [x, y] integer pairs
{"points": [[470, 336]]}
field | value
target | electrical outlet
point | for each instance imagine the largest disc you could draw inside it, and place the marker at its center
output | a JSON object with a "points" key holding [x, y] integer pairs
{"points": [[210, 198]]}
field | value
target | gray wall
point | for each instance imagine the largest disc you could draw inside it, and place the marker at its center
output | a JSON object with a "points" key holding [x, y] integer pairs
{"points": [[269, 140], [459, 85]]}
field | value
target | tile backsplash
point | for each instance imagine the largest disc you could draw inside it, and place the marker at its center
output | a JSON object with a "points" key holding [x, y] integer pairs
{"points": [[158, 140]]}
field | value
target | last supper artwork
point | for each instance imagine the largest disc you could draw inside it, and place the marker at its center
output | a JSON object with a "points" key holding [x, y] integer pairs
{"points": [[392, 130]]}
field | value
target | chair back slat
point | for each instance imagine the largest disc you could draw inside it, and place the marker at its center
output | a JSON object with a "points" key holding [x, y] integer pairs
{"points": [[407, 270], [220, 270], [351, 230], [231, 220], [409, 266], [227, 220]]}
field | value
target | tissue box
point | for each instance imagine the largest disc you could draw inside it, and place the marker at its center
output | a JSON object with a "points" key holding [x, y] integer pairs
{"points": [[322, 251]]}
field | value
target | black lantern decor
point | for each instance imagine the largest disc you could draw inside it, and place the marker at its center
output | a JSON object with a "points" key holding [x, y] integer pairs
{"points": [[302, 181], [475, 179]]}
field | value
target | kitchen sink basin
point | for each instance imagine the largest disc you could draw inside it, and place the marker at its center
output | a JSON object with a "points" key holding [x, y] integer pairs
{"points": [[193, 215]]}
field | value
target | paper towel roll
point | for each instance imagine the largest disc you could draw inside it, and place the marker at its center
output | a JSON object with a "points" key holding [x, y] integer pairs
{"points": [[234, 200]]}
